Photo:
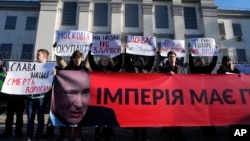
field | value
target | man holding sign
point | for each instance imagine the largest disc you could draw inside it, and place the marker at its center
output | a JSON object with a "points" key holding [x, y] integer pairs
{"points": [[36, 104]]}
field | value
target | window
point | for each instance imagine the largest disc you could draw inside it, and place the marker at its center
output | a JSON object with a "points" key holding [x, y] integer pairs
{"points": [[222, 29], [190, 18], [31, 23], [27, 52], [10, 22], [237, 29], [241, 55], [101, 14], [161, 16], [131, 15], [5, 51], [69, 13]]}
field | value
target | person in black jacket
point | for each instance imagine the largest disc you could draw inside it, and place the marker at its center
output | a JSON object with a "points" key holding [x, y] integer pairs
{"points": [[170, 67], [76, 64], [104, 64], [137, 65], [199, 67], [227, 66]]}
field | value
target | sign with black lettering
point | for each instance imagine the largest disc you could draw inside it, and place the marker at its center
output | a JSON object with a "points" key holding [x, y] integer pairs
{"points": [[69, 41], [177, 100], [25, 78]]}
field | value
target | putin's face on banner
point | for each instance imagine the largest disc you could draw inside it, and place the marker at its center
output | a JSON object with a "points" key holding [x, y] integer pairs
{"points": [[70, 96]]}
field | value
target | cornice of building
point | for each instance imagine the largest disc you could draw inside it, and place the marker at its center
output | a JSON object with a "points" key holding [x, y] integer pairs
{"points": [[228, 13], [20, 5]]}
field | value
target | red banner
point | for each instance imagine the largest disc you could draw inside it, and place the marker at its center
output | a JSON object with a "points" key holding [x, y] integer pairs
{"points": [[150, 100]]}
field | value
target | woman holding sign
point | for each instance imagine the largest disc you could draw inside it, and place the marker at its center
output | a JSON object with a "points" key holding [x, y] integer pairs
{"points": [[105, 64]]}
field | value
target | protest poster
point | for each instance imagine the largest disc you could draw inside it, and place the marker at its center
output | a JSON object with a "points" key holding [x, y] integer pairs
{"points": [[243, 68], [106, 44], [141, 45], [26, 78], [203, 47], [177, 46], [68, 41], [155, 100]]}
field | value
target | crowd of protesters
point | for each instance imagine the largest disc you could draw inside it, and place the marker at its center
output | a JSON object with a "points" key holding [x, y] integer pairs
{"points": [[169, 65]]}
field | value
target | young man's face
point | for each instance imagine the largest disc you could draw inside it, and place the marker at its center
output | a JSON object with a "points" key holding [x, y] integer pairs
{"points": [[41, 57], [77, 61], [172, 58], [70, 97]]}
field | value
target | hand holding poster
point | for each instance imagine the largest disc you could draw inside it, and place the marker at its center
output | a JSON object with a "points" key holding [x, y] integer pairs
{"points": [[27, 78], [141, 45], [106, 44], [72, 40], [178, 46], [203, 47]]}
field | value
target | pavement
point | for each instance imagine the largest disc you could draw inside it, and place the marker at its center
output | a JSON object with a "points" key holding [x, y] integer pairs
{"points": [[122, 134]]}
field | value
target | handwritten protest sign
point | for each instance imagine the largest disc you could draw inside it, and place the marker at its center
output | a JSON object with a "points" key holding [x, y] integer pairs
{"points": [[178, 46], [244, 68], [72, 40], [106, 44], [141, 45], [27, 78], [203, 47]]}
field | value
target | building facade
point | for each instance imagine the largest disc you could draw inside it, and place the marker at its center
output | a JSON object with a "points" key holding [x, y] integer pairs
{"points": [[26, 26]]}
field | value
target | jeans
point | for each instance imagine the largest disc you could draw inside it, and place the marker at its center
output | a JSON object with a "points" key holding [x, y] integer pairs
{"points": [[35, 106]]}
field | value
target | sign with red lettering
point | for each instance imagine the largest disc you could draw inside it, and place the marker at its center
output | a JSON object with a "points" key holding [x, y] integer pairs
{"points": [[141, 45], [106, 44], [203, 47], [69, 41], [178, 46], [151, 100], [25, 78]]}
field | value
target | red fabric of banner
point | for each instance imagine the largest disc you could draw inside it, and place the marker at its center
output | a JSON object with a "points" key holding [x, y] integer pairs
{"points": [[150, 100]]}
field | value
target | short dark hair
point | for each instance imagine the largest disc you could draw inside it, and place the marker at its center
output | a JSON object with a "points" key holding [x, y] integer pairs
{"points": [[76, 55], [171, 52], [226, 58]]}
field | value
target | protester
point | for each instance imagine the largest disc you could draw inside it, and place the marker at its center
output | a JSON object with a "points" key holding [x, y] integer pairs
{"points": [[200, 67], [15, 105], [105, 64], [76, 64], [227, 66], [170, 67], [36, 105]]}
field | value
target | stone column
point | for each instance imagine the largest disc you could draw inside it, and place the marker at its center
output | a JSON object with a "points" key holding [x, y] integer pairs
{"points": [[147, 19], [116, 17], [210, 20], [46, 26], [178, 20], [83, 19]]}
